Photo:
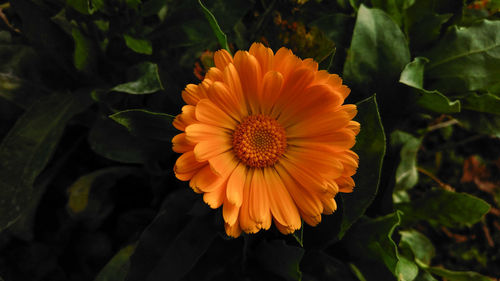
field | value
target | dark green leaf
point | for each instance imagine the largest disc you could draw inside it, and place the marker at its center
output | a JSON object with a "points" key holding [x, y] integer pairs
{"points": [[424, 276], [377, 55], [221, 36], [83, 55], [370, 240], [420, 246], [281, 259], [413, 76], [82, 6], [406, 173], [466, 59], [370, 146], [446, 208], [174, 242], [486, 103], [394, 8], [457, 275], [79, 193], [325, 267], [29, 146], [147, 82], [144, 123], [141, 46], [117, 268]]}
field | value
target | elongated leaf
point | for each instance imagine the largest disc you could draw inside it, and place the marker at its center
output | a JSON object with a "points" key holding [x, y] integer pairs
{"points": [[28, 147], [83, 55], [141, 46], [413, 76], [281, 259], [457, 275], [370, 146], [486, 103], [466, 59], [377, 55], [82, 6], [146, 123], [406, 173], [147, 81], [446, 208], [117, 268], [221, 36]]}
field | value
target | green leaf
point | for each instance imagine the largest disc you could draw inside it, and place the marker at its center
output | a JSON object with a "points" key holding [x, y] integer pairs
{"points": [[29, 146], [281, 259], [450, 209], [418, 244], [141, 46], [221, 36], [79, 192], [486, 103], [424, 276], [369, 240], [457, 275], [395, 8], [175, 241], [413, 76], [406, 173], [83, 55], [484, 123], [370, 146], [147, 80], [82, 6], [133, 4], [117, 268], [377, 55], [144, 123], [466, 58]]}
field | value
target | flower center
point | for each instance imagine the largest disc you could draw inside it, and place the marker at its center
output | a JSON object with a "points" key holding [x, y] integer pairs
{"points": [[259, 141]]}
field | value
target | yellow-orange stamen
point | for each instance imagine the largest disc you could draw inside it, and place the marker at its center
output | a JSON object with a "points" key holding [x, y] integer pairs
{"points": [[259, 141]]}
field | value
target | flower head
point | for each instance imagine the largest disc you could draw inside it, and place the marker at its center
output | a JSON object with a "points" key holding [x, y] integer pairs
{"points": [[267, 137]]}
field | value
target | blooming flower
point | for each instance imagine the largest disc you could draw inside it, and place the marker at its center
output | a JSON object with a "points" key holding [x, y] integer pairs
{"points": [[266, 136]]}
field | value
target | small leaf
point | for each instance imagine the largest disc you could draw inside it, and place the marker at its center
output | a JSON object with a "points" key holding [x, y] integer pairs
{"points": [[486, 103], [406, 173], [117, 268], [413, 76], [457, 275], [377, 55], [82, 6], [144, 123], [141, 46], [370, 146], [221, 36], [83, 54], [147, 82], [29, 146], [281, 259], [466, 58], [445, 208], [79, 191], [419, 244]]}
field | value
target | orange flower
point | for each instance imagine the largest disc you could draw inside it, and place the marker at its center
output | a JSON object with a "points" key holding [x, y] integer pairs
{"points": [[266, 136]]}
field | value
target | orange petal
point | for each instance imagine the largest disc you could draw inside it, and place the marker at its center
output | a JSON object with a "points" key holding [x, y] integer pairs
{"points": [[305, 176], [222, 58], [310, 64], [186, 118], [232, 105], [281, 203], [346, 184], [293, 88], [224, 163], [205, 180], [350, 162], [196, 133], [283, 228], [215, 197], [329, 205], [354, 127], [307, 202], [207, 112], [180, 144], [247, 224], [191, 95], [230, 212], [285, 62], [264, 55], [259, 200], [322, 124], [235, 185], [319, 160], [214, 74], [186, 164], [233, 230], [271, 89], [250, 76], [206, 150]]}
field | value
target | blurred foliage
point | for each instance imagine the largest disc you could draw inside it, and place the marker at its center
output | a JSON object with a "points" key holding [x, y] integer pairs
{"points": [[88, 90]]}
